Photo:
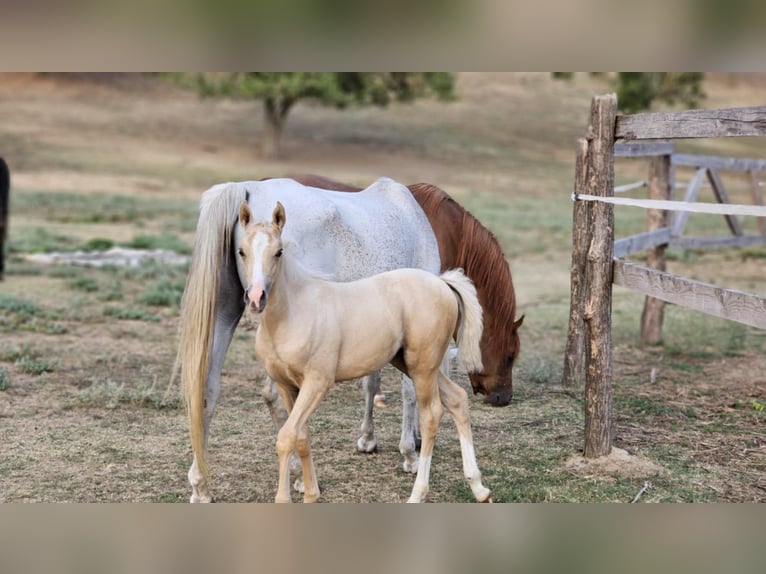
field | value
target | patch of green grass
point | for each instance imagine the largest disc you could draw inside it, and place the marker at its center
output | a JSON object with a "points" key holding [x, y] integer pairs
{"points": [[72, 207], [540, 371], [165, 292], [5, 379], [97, 244], [164, 241], [639, 405], [37, 365], [82, 283], [110, 394], [12, 353], [686, 367], [687, 333], [40, 240], [21, 314], [129, 314]]}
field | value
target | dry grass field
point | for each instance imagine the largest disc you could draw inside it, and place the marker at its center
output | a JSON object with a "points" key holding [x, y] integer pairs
{"points": [[86, 354]]}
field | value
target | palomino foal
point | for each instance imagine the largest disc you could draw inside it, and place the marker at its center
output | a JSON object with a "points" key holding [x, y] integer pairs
{"points": [[314, 332]]}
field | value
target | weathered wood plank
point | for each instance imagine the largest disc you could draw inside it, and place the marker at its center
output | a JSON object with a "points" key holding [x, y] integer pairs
{"points": [[692, 124], [574, 373], [720, 163], [755, 191], [716, 241], [630, 186], [641, 241], [653, 313], [739, 306], [598, 299], [643, 149], [722, 197], [681, 217]]}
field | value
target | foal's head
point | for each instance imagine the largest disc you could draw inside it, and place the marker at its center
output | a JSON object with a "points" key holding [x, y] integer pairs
{"points": [[260, 252]]}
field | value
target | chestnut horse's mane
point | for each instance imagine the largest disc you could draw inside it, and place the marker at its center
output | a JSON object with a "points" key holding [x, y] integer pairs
{"points": [[478, 253], [481, 257]]}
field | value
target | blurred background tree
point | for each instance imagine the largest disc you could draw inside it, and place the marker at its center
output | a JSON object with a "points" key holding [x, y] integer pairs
{"points": [[280, 91], [637, 91]]}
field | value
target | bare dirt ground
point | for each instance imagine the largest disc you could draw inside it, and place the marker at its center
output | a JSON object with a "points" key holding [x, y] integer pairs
{"points": [[85, 355]]}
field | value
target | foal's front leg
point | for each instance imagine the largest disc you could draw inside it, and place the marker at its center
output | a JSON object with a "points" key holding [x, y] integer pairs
{"points": [[294, 436], [278, 410]]}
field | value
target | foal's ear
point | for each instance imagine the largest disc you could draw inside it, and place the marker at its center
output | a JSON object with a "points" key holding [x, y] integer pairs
{"points": [[518, 323], [278, 218], [245, 215]]}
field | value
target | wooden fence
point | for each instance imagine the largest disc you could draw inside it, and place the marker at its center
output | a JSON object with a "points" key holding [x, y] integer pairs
{"points": [[5, 188], [597, 261]]}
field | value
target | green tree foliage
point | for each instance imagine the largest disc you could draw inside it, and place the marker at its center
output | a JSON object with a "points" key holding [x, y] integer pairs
{"points": [[280, 91], [637, 90]]}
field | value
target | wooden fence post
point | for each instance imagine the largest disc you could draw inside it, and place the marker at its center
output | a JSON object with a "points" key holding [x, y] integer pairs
{"points": [[574, 374], [659, 188], [5, 188], [598, 300]]}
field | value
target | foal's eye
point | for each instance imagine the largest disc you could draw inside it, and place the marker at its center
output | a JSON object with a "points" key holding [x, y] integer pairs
{"points": [[241, 252], [278, 253]]}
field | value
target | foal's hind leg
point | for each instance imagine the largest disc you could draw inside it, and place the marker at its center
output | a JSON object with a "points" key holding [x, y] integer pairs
{"points": [[408, 442], [430, 413], [456, 400]]}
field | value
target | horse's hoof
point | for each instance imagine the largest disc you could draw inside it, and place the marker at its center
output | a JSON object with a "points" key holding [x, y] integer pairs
{"points": [[410, 466], [299, 486], [367, 446], [380, 401], [198, 499]]}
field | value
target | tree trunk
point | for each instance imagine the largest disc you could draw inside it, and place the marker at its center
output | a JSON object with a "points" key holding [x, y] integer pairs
{"points": [[275, 114]]}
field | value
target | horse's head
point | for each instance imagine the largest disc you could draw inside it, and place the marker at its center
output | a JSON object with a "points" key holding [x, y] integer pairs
{"points": [[260, 254], [496, 381]]}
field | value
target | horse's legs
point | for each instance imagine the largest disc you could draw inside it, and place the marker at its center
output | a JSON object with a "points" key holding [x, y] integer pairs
{"points": [[371, 386], [224, 330], [430, 413], [408, 441], [456, 400], [279, 411], [294, 436]]}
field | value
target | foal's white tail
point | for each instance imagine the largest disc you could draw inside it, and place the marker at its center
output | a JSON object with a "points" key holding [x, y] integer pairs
{"points": [[470, 322]]}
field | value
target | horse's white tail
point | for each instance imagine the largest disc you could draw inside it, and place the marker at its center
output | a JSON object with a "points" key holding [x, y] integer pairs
{"points": [[218, 214], [470, 323]]}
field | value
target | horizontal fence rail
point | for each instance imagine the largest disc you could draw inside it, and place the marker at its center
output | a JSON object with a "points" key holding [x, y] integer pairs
{"points": [[714, 162], [667, 205], [747, 308], [692, 124]]}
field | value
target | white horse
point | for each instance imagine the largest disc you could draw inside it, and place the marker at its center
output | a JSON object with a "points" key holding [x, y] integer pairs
{"points": [[339, 235], [314, 332]]}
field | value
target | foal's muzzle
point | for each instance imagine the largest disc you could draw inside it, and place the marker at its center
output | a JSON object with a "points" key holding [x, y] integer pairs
{"points": [[255, 301]]}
